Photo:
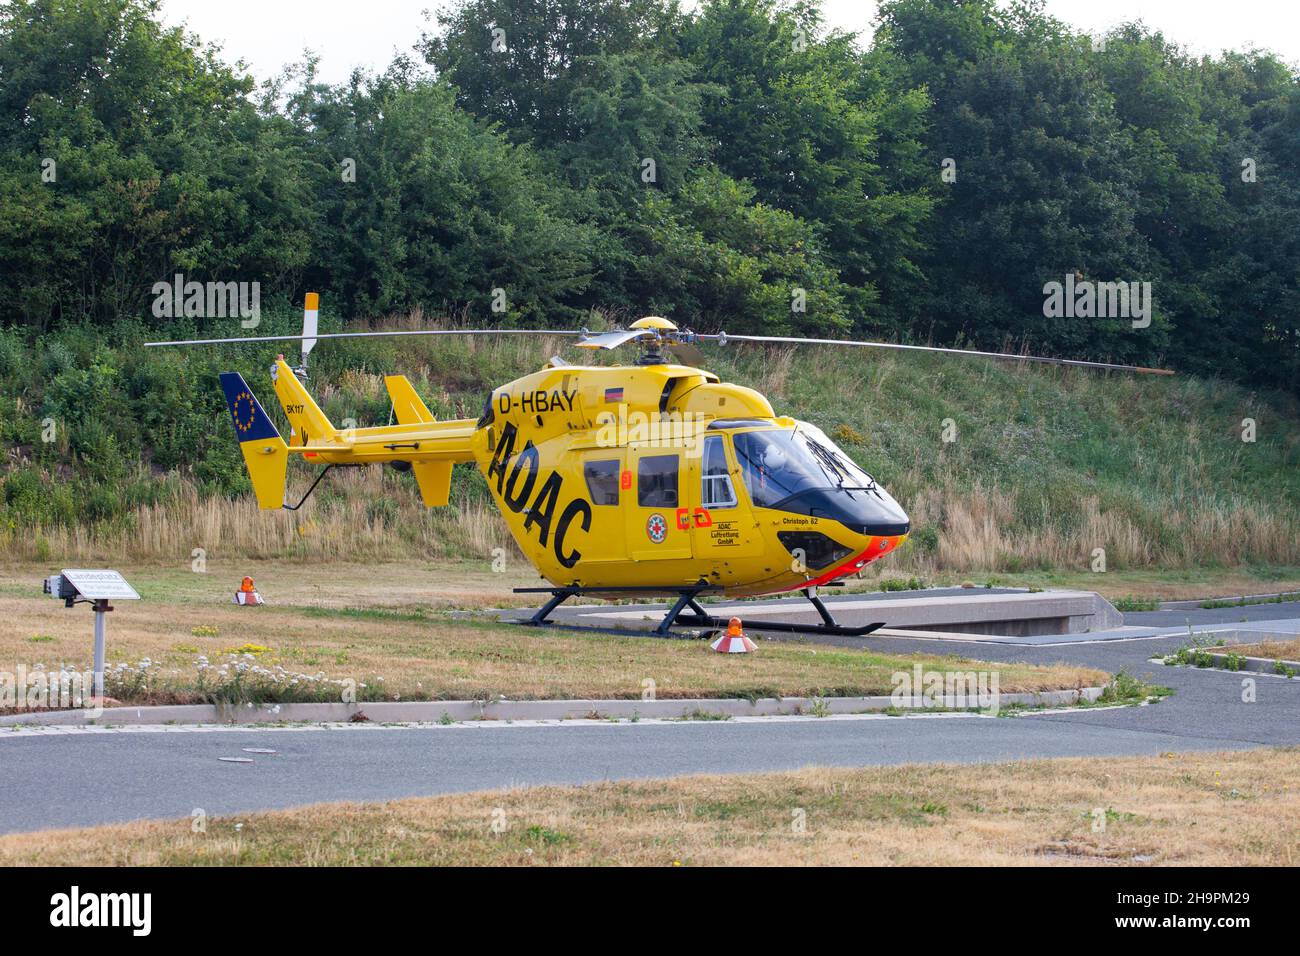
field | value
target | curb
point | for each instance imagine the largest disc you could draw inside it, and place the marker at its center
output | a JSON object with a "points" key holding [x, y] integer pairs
{"points": [[1245, 599], [381, 712], [1255, 665]]}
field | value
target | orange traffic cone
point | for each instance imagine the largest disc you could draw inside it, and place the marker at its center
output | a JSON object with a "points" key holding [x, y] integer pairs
{"points": [[247, 595], [734, 641]]}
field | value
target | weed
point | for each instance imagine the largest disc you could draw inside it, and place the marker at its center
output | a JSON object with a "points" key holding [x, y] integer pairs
{"points": [[1124, 688], [1134, 604], [698, 714]]}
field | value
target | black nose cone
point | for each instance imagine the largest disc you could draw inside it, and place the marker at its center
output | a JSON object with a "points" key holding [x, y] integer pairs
{"points": [[863, 511]]}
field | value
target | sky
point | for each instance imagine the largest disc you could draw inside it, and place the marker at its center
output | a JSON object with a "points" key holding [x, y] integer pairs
{"points": [[270, 33]]}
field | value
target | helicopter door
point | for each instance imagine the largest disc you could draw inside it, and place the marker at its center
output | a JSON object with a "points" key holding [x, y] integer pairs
{"points": [[602, 471], [658, 524], [723, 527]]}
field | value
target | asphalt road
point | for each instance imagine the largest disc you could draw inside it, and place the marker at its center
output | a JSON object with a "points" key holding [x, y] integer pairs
{"points": [[87, 777]]}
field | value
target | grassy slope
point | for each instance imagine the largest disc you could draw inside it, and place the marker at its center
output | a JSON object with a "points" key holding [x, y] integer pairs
{"points": [[1213, 809], [1048, 465]]}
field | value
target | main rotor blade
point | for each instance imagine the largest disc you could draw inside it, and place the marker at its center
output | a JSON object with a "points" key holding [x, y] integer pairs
{"points": [[688, 353], [612, 340], [367, 335], [1011, 356], [310, 322]]}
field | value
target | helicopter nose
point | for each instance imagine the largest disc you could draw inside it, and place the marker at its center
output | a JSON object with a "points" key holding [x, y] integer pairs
{"points": [[872, 513], [880, 546], [877, 546]]}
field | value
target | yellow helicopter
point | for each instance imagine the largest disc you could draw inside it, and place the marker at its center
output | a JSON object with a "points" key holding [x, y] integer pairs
{"points": [[648, 479]]}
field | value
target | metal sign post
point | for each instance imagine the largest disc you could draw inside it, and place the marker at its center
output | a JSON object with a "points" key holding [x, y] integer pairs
{"points": [[101, 608]]}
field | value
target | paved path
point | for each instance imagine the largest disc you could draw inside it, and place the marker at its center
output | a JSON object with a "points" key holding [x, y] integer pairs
{"points": [[75, 778]]}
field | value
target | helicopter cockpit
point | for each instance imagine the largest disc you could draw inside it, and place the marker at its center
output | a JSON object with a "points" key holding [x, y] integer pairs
{"points": [[801, 471]]}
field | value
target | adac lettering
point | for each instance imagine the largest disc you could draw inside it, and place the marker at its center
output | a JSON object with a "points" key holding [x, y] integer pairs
{"points": [[516, 489], [537, 402]]}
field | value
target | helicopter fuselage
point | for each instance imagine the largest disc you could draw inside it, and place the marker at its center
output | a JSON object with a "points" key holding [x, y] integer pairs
{"points": [[655, 476]]}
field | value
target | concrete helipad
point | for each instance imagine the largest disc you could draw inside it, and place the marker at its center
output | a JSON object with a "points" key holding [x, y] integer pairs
{"points": [[967, 616], [963, 613]]}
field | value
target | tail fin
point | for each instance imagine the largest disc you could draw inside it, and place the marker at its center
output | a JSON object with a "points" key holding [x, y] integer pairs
{"points": [[407, 405], [265, 452], [308, 423], [433, 477]]}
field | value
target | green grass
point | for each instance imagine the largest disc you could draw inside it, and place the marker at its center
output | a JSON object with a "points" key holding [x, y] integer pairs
{"points": [[704, 715], [367, 614], [1124, 688], [900, 584]]}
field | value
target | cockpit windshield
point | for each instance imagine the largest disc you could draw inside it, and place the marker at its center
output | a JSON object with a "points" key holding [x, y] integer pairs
{"points": [[780, 463]]}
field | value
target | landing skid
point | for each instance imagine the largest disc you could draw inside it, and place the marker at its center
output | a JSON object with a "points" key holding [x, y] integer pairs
{"points": [[698, 617]]}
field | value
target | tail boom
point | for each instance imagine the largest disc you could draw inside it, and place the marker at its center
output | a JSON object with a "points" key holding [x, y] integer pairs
{"points": [[431, 447]]}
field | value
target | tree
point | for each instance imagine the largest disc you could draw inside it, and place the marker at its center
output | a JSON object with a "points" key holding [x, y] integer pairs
{"points": [[127, 153], [725, 262], [1041, 189], [802, 117], [518, 62], [424, 206]]}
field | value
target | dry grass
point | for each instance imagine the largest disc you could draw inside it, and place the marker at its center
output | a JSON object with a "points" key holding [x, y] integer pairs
{"points": [[1239, 808], [367, 622], [1275, 650], [368, 513], [980, 530]]}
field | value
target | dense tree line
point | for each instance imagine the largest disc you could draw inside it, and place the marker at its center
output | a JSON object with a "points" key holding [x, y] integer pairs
{"points": [[734, 166]]}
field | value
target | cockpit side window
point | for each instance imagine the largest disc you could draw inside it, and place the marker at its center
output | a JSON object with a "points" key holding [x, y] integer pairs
{"points": [[717, 490], [775, 467]]}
